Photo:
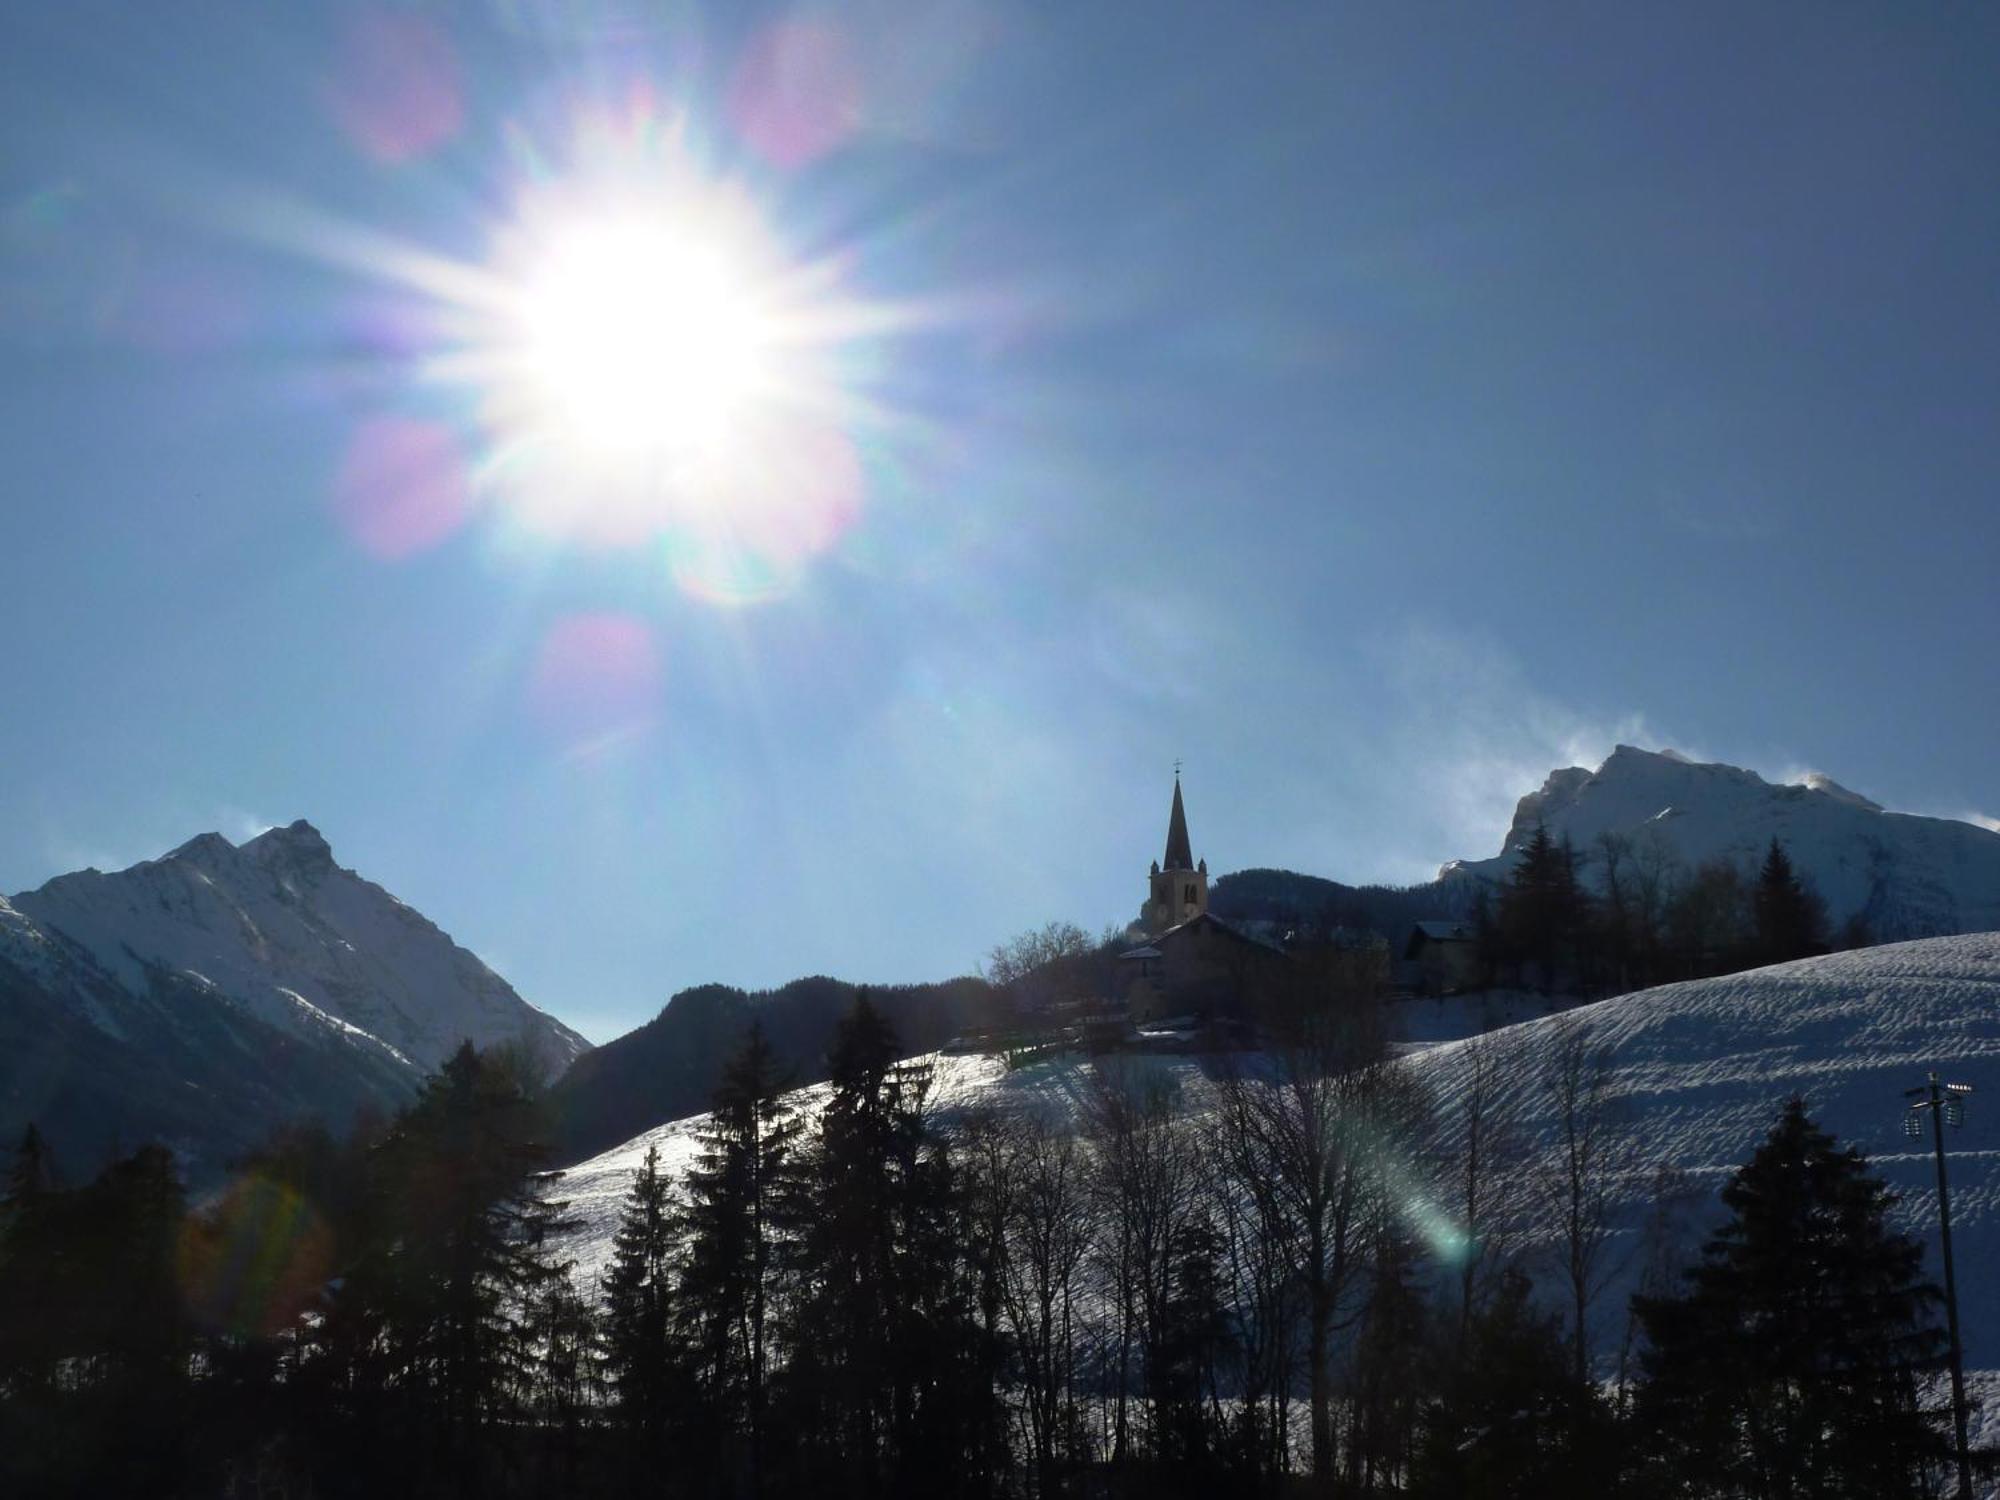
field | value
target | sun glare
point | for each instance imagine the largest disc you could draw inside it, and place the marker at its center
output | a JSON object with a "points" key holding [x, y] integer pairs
{"points": [[645, 338], [644, 362]]}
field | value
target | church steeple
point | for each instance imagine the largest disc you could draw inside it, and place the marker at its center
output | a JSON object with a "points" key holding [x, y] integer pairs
{"points": [[1177, 889], [1180, 856]]}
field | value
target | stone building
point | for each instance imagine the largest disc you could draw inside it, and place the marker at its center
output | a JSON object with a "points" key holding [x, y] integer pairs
{"points": [[1192, 964]]}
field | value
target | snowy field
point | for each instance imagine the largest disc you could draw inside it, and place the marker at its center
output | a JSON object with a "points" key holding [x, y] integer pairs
{"points": [[1700, 1070]]}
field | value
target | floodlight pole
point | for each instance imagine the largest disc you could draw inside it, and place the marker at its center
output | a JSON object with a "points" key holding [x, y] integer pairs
{"points": [[1935, 1102]]}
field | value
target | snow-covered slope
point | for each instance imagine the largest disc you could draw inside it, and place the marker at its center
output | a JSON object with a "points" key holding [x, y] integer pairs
{"points": [[278, 928], [207, 996], [1906, 876], [1698, 1072]]}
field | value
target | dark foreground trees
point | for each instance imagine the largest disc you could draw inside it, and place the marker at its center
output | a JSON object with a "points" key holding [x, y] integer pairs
{"points": [[1793, 1363], [1239, 1285]]}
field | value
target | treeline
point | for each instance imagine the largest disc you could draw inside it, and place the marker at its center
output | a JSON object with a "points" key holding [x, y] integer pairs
{"points": [[667, 1068], [1312, 1279], [1625, 914], [1315, 907]]}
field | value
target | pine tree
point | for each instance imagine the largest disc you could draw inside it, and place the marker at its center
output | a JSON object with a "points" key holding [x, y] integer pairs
{"points": [[1190, 1347], [1791, 1364], [31, 1293], [1543, 906], [1511, 1418], [641, 1354], [739, 1193], [461, 1254], [887, 1386], [567, 1332], [1390, 1365], [1790, 922]]}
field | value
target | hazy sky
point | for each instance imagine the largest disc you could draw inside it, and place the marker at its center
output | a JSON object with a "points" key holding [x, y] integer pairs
{"points": [[1374, 406]]}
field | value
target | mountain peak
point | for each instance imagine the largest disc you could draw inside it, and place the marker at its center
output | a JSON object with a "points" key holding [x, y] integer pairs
{"points": [[298, 844], [1906, 876], [1819, 782], [206, 851]]}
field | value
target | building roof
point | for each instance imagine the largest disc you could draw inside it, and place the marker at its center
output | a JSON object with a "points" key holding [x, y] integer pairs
{"points": [[1180, 855], [1152, 948]]}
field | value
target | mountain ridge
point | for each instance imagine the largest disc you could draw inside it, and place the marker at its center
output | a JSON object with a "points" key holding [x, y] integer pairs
{"points": [[263, 978], [1905, 875]]}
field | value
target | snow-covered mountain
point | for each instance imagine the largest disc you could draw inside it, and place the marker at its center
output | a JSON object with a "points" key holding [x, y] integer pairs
{"points": [[1698, 1072], [1906, 876], [266, 976]]}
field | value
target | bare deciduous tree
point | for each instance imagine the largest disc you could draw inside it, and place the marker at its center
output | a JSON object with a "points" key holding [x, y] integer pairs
{"points": [[1486, 1174], [1592, 1154], [1148, 1194], [1044, 965], [1305, 1126]]}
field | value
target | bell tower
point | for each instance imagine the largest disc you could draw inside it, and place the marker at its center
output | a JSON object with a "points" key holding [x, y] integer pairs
{"points": [[1178, 889]]}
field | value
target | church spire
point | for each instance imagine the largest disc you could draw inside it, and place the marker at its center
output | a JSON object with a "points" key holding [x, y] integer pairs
{"points": [[1180, 855]]}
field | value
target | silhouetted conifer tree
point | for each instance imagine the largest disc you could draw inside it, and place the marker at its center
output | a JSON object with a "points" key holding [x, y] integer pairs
{"points": [[643, 1358], [1544, 909], [1791, 1364], [1511, 1418], [31, 1290], [1789, 920], [886, 1388], [741, 1196], [460, 1255]]}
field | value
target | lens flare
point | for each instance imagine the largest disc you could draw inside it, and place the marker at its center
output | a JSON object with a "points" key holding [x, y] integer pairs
{"points": [[796, 94], [402, 486], [251, 1264], [595, 681], [396, 89]]}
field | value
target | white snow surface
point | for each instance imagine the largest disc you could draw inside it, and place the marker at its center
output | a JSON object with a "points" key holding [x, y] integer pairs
{"points": [[1699, 1072], [1908, 876], [277, 928]]}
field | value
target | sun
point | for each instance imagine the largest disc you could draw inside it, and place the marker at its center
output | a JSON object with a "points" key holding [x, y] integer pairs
{"points": [[646, 336], [647, 362]]}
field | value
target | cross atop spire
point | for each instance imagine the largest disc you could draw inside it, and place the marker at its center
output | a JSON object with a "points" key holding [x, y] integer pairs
{"points": [[1180, 854]]}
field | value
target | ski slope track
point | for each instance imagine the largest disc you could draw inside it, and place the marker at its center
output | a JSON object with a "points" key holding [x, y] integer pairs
{"points": [[1698, 1072]]}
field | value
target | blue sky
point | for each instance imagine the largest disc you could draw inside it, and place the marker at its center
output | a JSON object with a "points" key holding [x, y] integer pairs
{"points": [[1374, 407]]}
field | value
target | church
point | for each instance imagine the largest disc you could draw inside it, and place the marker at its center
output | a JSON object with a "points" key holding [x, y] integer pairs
{"points": [[1192, 966]]}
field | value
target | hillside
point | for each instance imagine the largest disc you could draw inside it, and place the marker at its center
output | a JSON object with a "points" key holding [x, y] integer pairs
{"points": [[1699, 1070], [668, 1067], [202, 997]]}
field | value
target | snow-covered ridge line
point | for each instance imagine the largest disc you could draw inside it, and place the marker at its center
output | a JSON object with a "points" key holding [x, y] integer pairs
{"points": [[278, 928], [1903, 874]]}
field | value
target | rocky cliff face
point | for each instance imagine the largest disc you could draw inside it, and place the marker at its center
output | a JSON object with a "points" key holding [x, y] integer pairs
{"points": [[224, 989], [1906, 876]]}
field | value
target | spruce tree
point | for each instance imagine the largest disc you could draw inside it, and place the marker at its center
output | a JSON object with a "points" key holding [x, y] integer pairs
{"points": [[1543, 906], [1789, 921], [640, 1350], [461, 1255], [887, 1386], [1510, 1417], [1791, 1365], [1186, 1375], [31, 1266], [739, 1194]]}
